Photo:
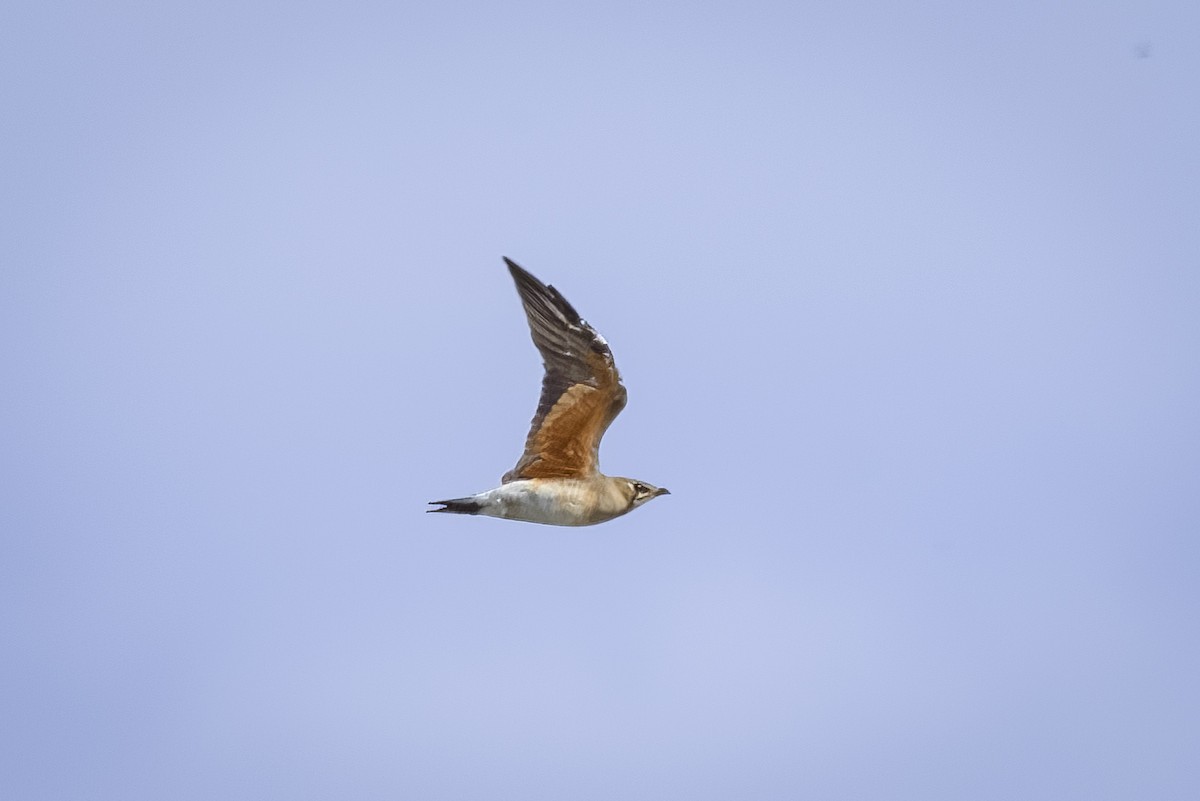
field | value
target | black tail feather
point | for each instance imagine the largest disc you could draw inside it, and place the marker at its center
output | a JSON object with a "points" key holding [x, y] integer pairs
{"points": [[458, 506]]}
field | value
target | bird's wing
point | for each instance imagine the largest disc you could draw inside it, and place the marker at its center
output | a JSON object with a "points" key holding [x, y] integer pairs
{"points": [[581, 391]]}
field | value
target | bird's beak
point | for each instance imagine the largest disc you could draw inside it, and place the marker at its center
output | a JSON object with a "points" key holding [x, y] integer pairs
{"points": [[662, 491]]}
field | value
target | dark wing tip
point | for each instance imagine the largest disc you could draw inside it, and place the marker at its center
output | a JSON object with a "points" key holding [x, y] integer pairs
{"points": [[531, 287], [523, 277]]}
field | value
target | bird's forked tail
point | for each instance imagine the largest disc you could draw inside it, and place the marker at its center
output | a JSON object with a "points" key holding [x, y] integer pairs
{"points": [[458, 506]]}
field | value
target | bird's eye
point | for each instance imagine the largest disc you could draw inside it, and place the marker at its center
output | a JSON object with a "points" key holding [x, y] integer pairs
{"points": [[640, 489]]}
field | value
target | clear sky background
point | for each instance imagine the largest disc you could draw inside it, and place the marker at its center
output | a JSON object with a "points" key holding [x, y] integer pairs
{"points": [[906, 297]]}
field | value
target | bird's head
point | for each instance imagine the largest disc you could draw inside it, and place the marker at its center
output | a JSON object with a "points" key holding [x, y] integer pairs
{"points": [[639, 492]]}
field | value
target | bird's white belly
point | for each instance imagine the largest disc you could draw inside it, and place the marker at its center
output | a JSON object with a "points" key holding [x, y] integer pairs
{"points": [[557, 503]]}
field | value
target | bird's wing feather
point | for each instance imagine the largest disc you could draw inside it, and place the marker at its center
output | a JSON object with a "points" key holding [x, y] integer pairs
{"points": [[581, 391]]}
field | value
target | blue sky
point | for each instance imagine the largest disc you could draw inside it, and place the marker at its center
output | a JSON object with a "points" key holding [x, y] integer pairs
{"points": [[906, 299]]}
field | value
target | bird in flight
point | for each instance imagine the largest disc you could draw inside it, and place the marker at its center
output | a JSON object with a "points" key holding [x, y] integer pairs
{"points": [[557, 480]]}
